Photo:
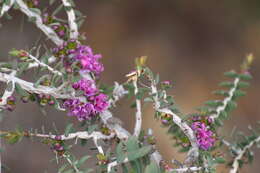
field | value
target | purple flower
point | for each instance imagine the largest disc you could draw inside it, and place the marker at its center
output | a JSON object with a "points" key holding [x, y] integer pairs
{"points": [[205, 137], [100, 102], [89, 60], [87, 86], [85, 111]]}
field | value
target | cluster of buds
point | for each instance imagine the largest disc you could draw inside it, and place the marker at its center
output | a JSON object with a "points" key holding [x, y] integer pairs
{"points": [[166, 119], [21, 54], [164, 165], [105, 130], [60, 29], [166, 84], [58, 146], [148, 138], [32, 3], [102, 159], [45, 99], [42, 99], [10, 104]]}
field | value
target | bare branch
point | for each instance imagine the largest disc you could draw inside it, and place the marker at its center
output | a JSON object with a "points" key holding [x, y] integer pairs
{"points": [[8, 92], [71, 19], [29, 87], [43, 65], [138, 114]]}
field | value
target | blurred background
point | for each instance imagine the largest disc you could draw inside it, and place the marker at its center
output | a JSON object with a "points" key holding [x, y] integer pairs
{"points": [[190, 43]]}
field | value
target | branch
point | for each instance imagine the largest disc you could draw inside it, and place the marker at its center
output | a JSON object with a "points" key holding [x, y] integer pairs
{"points": [[226, 100], [113, 164], [8, 92], [38, 21], [35, 64], [6, 7], [43, 65], [71, 19], [235, 165], [29, 87], [80, 135], [194, 151], [138, 114], [186, 169]]}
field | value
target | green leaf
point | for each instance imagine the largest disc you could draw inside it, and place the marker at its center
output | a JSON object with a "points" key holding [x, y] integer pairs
{"points": [[226, 84], [222, 93], [124, 168], [219, 160], [36, 10], [132, 144], [42, 78], [23, 66], [82, 160], [14, 52], [120, 154], [57, 10], [136, 154], [152, 168], [136, 166], [214, 103], [157, 79], [239, 93], [148, 99], [7, 2], [62, 168], [243, 84], [69, 129], [92, 128], [245, 76], [21, 91], [231, 74]]}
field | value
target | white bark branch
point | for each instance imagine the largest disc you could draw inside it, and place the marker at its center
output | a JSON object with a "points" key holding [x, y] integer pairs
{"points": [[185, 169], [35, 64], [9, 91], [138, 114], [71, 19], [194, 151], [79, 135], [29, 87], [226, 100], [44, 65], [235, 165], [38, 21], [6, 7], [113, 164]]}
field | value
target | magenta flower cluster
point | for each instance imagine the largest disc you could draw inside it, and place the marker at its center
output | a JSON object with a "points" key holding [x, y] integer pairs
{"points": [[205, 137], [72, 51], [80, 58], [96, 102], [89, 60]]}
